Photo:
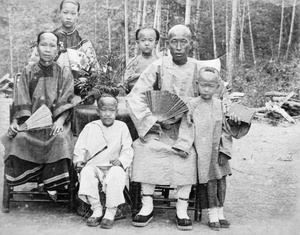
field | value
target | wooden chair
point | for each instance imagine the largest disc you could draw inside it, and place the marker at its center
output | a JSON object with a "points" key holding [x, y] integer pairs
{"points": [[25, 194], [162, 199]]}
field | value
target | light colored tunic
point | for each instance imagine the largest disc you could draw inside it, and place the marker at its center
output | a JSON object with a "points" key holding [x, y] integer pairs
{"points": [[137, 65], [210, 130], [96, 146], [155, 161]]}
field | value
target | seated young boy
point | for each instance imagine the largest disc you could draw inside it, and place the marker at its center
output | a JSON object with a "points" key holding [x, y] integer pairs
{"points": [[102, 153], [210, 131]]}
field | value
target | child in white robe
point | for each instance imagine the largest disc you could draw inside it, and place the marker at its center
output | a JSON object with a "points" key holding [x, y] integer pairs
{"points": [[102, 153]]}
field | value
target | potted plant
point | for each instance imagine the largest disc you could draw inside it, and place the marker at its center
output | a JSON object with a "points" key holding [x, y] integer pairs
{"points": [[105, 80]]}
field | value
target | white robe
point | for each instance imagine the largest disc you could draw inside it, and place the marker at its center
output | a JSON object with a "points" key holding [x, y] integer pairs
{"points": [[96, 146]]}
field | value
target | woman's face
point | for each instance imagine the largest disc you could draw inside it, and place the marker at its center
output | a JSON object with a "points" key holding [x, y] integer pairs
{"points": [[69, 15], [47, 48]]}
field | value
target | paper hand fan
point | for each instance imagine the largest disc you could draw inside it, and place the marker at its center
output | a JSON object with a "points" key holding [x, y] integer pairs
{"points": [[164, 105], [42, 117]]}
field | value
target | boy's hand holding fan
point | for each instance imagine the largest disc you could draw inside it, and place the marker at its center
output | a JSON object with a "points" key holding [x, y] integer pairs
{"points": [[242, 113]]}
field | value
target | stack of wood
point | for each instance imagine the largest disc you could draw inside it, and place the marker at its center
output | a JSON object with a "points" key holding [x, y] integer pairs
{"points": [[282, 106]]}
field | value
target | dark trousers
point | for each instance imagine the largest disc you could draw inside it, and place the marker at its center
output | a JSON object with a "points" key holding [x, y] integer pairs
{"points": [[212, 194], [54, 175]]}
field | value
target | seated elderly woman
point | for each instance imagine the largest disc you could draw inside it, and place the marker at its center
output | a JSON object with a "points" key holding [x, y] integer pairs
{"points": [[43, 152]]}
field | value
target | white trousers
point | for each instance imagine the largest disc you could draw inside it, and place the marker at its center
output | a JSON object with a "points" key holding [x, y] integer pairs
{"points": [[113, 182]]}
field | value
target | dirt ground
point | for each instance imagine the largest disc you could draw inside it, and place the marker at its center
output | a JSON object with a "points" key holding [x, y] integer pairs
{"points": [[263, 195]]}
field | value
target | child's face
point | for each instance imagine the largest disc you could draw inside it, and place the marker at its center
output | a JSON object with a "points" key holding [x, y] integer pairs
{"points": [[146, 40], [208, 84], [107, 110], [69, 15], [47, 48]]}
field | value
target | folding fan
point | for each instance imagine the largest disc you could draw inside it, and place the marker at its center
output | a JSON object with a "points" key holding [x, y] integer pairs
{"points": [[42, 117], [164, 105]]}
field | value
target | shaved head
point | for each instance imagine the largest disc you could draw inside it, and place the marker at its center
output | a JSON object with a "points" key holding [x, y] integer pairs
{"points": [[179, 41], [179, 30], [209, 74]]}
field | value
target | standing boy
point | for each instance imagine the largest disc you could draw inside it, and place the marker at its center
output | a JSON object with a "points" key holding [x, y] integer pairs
{"points": [[147, 39], [209, 128], [102, 154]]}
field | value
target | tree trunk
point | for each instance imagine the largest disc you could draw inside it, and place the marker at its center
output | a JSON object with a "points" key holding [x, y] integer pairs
{"points": [[155, 14], [108, 26], [144, 13], [95, 22], [291, 30], [242, 23], [196, 52], [251, 35], [187, 21], [281, 28], [165, 51], [138, 24], [157, 22], [126, 32], [213, 28], [226, 37], [139, 15], [9, 10], [231, 56]]}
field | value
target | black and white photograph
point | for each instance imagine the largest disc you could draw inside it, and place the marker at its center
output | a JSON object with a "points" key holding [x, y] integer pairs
{"points": [[150, 117]]}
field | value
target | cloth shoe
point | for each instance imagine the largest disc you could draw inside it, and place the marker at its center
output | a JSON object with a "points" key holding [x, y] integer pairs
{"points": [[223, 222], [93, 221], [142, 220], [107, 223]]}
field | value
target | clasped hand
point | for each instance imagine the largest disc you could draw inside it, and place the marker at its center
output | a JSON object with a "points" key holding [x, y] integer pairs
{"points": [[79, 166], [180, 152], [12, 130], [116, 162]]}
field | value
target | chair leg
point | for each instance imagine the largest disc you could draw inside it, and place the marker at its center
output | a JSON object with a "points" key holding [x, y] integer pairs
{"points": [[127, 196], [198, 210], [135, 192], [6, 196], [166, 193], [72, 188]]}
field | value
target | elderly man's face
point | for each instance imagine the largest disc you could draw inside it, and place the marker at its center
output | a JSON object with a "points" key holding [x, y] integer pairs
{"points": [[179, 45]]}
